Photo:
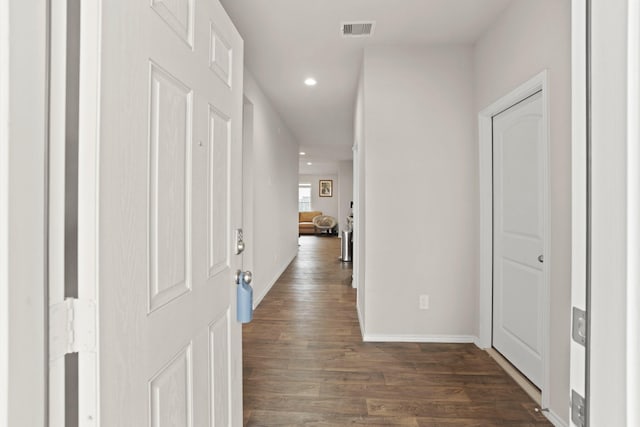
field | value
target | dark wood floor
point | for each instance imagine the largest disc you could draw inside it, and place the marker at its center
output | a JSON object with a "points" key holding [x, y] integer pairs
{"points": [[305, 363]]}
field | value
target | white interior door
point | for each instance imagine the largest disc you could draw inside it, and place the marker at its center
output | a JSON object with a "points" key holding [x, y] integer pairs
{"points": [[518, 235], [167, 198]]}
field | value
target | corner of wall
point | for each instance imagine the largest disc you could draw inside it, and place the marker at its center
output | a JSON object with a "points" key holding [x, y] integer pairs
{"points": [[359, 254], [272, 281], [363, 331]]}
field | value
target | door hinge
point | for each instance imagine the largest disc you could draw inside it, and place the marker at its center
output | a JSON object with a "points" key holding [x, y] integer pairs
{"points": [[578, 409], [579, 326], [72, 327]]}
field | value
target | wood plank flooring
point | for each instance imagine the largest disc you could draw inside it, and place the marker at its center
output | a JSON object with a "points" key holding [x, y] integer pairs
{"points": [[305, 363]]}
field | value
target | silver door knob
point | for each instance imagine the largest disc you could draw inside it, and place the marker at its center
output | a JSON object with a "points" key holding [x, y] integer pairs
{"points": [[540, 258], [247, 276]]}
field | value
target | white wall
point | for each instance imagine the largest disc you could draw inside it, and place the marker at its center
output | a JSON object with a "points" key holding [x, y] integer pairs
{"points": [[275, 189], [359, 199], [420, 193], [4, 212], [345, 194], [25, 272], [328, 205], [533, 35], [613, 339]]}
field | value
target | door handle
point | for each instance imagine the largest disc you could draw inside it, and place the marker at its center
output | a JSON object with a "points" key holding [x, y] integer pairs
{"points": [[540, 258], [244, 296], [246, 276]]}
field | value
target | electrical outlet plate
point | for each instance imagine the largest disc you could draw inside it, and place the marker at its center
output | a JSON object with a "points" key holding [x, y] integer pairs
{"points": [[424, 302]]}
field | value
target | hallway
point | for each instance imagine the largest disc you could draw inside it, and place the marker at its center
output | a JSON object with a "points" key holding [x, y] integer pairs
{"points": [[305, 362]]}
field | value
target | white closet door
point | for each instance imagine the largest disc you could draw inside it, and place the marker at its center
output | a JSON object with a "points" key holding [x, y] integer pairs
{"points": [[518, 238]]}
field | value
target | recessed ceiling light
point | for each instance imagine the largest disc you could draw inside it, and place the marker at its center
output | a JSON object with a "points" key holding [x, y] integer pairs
{"points": [[310, 81], [309, 163], [302, 153]]}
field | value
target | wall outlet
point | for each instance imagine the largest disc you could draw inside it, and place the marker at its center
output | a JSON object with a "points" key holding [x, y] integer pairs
{"points": [[424, 302]]}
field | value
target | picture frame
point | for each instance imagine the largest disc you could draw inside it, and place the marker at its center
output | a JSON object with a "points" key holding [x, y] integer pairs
{"points": [[325, 188]]}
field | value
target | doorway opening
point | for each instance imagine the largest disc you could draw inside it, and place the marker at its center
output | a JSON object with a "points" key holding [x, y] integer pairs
{"points": [[247, 184]]}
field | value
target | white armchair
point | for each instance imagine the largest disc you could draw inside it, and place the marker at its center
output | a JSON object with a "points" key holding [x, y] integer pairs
{"points": [[324, 223]]}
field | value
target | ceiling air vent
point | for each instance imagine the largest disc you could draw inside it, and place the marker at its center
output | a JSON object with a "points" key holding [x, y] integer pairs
{"points": [[357, 29]]}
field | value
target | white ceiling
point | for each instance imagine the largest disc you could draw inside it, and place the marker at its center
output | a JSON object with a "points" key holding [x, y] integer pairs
{"points": [[289, 40]]}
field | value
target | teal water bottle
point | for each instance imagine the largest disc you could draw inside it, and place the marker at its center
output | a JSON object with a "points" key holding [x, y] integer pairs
{"points": [[245, 298]]}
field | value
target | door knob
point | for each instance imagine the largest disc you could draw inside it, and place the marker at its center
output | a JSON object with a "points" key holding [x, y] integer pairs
{"points": [[246, 276], [540, 258]]}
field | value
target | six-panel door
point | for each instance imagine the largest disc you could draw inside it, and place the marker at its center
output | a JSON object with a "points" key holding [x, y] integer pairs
{"points": [[169, 197]]}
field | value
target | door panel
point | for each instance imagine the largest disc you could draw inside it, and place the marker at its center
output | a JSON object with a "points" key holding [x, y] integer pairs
{"points": [[219, 380], [170, 392], [523, 285], [218, 180], [178, 15], [169, 196], [519, 236], [169, 191]]}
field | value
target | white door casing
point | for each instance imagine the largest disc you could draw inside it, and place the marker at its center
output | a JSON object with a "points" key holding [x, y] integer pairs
{"points": [[23, 193], [4, 212], [613, 378], [536, 84], [578, 187], [633, 215], [248, 185], [64, 38], [612, 383], [160, 193], [518, 278]]}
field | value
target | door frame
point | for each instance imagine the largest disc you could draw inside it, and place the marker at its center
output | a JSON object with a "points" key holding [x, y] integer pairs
{"points": [[633, 213], [23, 211], [485, 132], [613, 209], [89, 100], [4, 212], [248, 211], [578, 352]]}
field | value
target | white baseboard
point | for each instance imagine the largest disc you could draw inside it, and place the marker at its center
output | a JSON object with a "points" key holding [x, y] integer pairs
{"points": [[450, 339], [476, 341], [362, 332], [258, 298], [554, 418]]}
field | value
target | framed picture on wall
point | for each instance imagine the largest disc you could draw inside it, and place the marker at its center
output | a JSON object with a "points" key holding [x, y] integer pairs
{"points": [[326, 188]]}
